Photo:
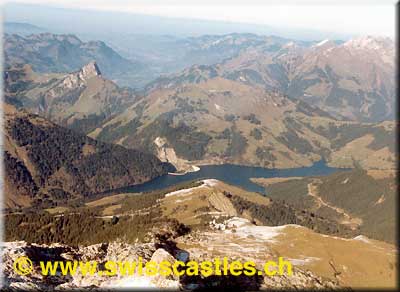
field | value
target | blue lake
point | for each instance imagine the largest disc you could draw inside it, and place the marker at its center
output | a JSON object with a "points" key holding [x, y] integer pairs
{"points": [[236, 175]]}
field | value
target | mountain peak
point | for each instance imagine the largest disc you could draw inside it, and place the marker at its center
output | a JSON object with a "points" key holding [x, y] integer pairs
{"points": [[80, 77], [369, 42], [89, 70]]}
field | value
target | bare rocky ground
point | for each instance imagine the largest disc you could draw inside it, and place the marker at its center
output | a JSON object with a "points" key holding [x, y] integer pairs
{"points": [[320, 261], [124, 252]]}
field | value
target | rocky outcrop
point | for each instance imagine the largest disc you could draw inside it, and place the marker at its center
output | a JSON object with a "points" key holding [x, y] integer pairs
{"points": [[100, 253], [118, 251], [167, 154], [79, 78], [82, 100], [89, 70]]}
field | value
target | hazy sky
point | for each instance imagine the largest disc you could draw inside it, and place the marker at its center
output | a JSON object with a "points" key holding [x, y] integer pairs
{"points": [[361, 17]]}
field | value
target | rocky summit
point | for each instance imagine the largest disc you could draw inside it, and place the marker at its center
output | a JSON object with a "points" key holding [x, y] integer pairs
{"points": [[89, 70]]}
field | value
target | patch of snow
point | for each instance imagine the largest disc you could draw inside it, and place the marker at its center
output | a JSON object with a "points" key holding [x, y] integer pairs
{"points": [[12, 244], [133, 282], [380, 200], [244, 228], [336, 237], [345, 181], [359, 238], [303, 261], [362, 238], [322, 43], [216, 42], [217, 106], [290, 44], [184, 191], [210, 182], [367, 42], [195, 168], [183, 200], [217, 226]]}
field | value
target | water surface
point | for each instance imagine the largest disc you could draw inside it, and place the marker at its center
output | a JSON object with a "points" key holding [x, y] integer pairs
{"points": [[236, 175]]}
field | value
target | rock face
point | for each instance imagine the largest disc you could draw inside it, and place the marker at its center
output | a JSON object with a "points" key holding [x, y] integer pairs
{"points": [[90, 70], [56, 252], [80, 100], [80, 78], [167, 154]]}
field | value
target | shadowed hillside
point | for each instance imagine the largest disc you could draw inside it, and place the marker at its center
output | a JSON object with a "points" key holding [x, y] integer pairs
{"points": [[46, 164]]}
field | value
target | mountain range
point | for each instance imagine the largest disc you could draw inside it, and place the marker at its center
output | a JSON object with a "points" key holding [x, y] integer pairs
{"points": [[21, 28], [52, 53], [352, 80], [255, 108], [225, 121]]}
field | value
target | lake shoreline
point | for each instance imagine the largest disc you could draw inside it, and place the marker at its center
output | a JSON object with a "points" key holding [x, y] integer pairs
{"points": [[232, 174], [194, 169]]}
